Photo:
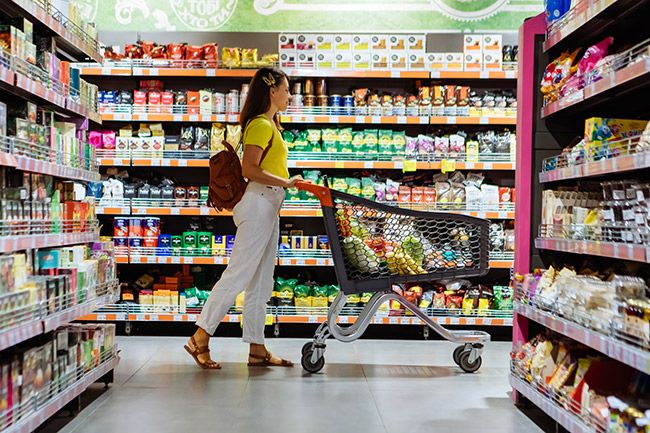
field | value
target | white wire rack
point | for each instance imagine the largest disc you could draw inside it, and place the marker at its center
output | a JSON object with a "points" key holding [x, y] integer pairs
{"points": [[28, 414], [16, 309], [43, 152], [39, 227], [418, 111], [597, 152], [68, 25], [570, 412], [631, 233], [180, 110]]}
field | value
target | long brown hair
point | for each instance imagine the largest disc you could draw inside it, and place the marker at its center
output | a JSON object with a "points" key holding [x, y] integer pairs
{"points": [[258, 100]]}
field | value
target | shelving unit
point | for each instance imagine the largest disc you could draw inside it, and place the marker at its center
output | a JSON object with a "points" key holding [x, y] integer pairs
{"points": [[542, 134], [127, 71], [28, 230]]}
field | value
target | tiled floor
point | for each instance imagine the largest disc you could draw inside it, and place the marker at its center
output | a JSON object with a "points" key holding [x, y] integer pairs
{"points": [[366, 386]]}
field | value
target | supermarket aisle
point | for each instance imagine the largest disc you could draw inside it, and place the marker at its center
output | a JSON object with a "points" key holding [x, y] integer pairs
{"points": [[374, 386]]}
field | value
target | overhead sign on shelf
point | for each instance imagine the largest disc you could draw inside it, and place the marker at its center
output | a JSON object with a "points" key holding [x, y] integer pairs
{"points": [[308, 15]]}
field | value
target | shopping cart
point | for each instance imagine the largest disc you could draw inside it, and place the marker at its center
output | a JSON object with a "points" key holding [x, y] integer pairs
{"points": [[376, 246]]}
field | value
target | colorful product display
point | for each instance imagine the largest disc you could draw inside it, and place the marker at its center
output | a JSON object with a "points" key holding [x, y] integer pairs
{"points": [[30, 377], [434, 100], [602, 393], [608, 303]]}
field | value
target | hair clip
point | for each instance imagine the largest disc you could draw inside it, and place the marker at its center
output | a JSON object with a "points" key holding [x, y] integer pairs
{"points": [[269, 80]]}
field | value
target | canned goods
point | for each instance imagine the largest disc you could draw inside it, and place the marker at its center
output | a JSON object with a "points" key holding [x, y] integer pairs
{"points": [[296, 100], [309, 86], [120, 242], [348, 104], [297, 88], [151, 227], [232, 102], [135, 227], [150, 242], [321, 87], [243, 94], [309, 100], [322, 100], [219, 102], [165, 241], [335, 102], [121, 227], [136, 242]]}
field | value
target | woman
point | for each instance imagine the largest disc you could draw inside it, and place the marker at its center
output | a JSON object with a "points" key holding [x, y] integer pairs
{"points": [[258, 227]]}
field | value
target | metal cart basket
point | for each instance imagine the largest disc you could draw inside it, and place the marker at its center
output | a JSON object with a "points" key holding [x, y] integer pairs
{"points": [[377, 246]]}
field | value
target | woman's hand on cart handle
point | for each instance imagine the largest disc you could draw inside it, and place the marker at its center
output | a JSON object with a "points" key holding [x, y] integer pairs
{"points": [[292, 181]]}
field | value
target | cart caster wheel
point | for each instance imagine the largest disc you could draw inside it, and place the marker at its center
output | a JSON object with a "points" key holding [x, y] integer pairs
{"points": [[457, 353], [469, 367], [307, 347], [310, 367]]}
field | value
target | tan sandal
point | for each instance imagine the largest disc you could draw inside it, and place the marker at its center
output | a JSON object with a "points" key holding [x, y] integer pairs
{"points": [[266, 361], [200, 350]]}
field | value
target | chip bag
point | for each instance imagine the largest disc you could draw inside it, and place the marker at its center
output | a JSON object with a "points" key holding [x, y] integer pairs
{"points": [[231, 57], [556, 74], [284, 290]]}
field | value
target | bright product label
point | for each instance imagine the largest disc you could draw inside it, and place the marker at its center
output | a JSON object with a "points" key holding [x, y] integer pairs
{"points": [[308, 15]]}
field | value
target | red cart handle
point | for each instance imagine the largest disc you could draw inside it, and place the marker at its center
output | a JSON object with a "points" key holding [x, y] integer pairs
{"points": [[322, 193]]}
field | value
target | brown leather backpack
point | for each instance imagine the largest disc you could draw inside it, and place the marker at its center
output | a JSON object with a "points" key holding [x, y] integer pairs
{"points": [[227, 184]]}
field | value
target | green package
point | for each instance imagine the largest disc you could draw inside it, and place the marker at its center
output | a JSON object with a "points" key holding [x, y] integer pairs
{"points": [[353, 300], [367, 188], [292, 194], [204, 243], [345, 147], [371, 141], [385, 149], [313, 176], [340, 184], [330, 134], [345, 135], [385, 137], [358, 141], [330, 147], [284, 290], [354, 186], [332, 292], [203, 195], [301, 143], [399, 142], [190, 239], [177, 244], [302, 291], [365, 298], [288, 136], [316, 147], [314, 135], [502, 298]]}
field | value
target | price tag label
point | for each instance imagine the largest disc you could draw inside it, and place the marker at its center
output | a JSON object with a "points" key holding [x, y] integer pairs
{"points": [[175, 211], [181, 162], [192, 317], [484, 120], [399, 165], [435, 74], [139, 317], [153, 317], [178, 117], [203, 210], [343, 319], [375, 119], [359, 119], [106, 71], [194, 117], [175, 260], [339, 164], [312, 319], [448, 165], [309, 119], [334, 119], [401, 120], [393, 320], [178, 318], [210, 72], [368, 164], [101, 317], [410, 165], [136, 259], [153, 71], [451, 120]]}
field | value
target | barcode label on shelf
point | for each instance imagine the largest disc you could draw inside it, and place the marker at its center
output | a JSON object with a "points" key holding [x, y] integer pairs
{"points": [[101, 317], [194, 117], [204, 210], [393, 320], [484, 120], [175, 211], [176, 260], [210, 72], [153, 317], [343, 319], [334, 119], [312, 319], [451, 120], [178, 117], [359, 119], [309, 119], [401, 120], [178, 318], [376, 119], [182, 162]]}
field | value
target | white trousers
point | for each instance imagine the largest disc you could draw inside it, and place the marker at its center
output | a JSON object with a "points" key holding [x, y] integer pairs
{"points": [[251, 264]]}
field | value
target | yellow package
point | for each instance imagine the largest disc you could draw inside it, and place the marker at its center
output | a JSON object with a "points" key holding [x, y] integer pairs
{"points": [[249, 57], [233, 135], [231, 57], [319, 302], [239, 301], [304, 302], [217, 136], [268, 60]]}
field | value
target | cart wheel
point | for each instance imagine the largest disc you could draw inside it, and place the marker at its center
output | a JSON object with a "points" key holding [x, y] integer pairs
{"points": [[457, 352], [309, 366], [307, 346], [469, 367]]}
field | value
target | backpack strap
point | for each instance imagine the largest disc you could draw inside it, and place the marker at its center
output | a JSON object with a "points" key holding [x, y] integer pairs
{"points": [[266, 151]]}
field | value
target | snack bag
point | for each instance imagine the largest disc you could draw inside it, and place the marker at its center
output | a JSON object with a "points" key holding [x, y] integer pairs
{"points": [[249, 57], [345, 136], [301, 144], [371, 141], [284, 291], [380, 191], [288, 137], [319, 296], [331, 147], [354, 186], [233, 136], [231, 57], [367, 188], [340, 184], [313, 176], [392, 190], [330, 134], [314, 135], [399, 142], [358, 142], [556, 74], [332, 293], [302, 296]]}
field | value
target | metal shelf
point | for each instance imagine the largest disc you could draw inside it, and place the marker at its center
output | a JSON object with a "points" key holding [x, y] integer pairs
{"points": [[568, 420], [608, 345], [615, 250], [32, 419]]}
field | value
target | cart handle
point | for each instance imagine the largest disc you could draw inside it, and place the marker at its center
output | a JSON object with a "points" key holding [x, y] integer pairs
{"points": [[322, 193]]}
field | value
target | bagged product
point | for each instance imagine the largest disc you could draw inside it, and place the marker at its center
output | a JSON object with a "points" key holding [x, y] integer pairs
{"points": [[367, 188], [392, 190], [354, 186], [380, 191], [314, 135], [217, 136], [330, 134], [340, 184], [187, 138], [233, 136], [399, 142], [345, 136], [371, 141], [284, 291], [302, 296], [358, 142]]}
